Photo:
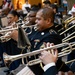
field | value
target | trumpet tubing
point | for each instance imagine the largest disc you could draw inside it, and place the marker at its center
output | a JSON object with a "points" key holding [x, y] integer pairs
{"points": [[69, 61], [68, 39], [67, 29], [5, 37], [68, 47], [37, 61], [68, 36], [8, 59], [7, 30]]}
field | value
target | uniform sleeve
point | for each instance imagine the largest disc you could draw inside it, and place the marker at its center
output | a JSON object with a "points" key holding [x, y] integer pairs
{"points": [[51, 71], [48, 66]]}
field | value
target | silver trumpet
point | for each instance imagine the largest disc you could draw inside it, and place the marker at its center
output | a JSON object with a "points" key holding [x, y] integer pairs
{"points": [[7, 30], [8, 59]]}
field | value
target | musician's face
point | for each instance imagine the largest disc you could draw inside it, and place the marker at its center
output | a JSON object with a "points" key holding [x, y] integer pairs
{"points": [[10, 18], [40, 21], [32, 17]]}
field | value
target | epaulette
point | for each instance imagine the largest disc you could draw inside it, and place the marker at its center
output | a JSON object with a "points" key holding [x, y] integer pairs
{"points": [[51, 31]]}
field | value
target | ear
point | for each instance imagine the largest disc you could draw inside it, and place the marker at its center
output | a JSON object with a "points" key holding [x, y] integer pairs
{"points": [[48, 21]]}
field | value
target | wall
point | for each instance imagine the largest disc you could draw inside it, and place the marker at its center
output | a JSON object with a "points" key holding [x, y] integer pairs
{"points": [[1, 2], [32, 2]]}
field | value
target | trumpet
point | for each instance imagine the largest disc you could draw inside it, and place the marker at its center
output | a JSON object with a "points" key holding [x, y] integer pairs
{"points": [[6, 32], [8, 59]]}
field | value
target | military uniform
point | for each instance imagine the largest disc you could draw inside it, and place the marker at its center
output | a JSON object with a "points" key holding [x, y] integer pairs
{"points": [[37, 38]]}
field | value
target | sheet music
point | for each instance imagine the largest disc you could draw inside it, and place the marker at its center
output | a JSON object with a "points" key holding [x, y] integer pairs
{"points": [[25, 71], [4, 21]]}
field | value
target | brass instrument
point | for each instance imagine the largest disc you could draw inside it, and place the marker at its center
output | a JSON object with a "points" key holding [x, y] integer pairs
{"points": [[73, 37], [67, 21], [7, 32], [67, 29], [68, 36], [8, 59], [69, 61]]}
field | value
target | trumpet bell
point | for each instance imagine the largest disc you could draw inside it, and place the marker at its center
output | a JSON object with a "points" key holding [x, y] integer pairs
{"points": [[6, 58]]}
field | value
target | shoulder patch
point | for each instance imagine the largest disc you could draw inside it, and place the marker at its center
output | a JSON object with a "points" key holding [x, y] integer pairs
{"points": [[51, 31]]}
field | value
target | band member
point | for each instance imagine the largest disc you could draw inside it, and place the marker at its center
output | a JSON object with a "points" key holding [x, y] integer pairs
{"points": [[14, 16], [71, 56], [31, 17], [45, 33], [10, 47]]}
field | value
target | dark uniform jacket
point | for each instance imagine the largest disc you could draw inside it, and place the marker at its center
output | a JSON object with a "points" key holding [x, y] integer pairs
{"points": [[51, 71], [37, 38]]}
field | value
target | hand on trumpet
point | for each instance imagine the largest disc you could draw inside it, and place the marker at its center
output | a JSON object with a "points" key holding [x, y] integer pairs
{"points": [[13, 35], [49, 56]]}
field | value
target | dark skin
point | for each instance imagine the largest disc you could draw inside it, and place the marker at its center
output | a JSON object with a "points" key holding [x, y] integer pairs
{"points": [[32, 17], [42, 23]]}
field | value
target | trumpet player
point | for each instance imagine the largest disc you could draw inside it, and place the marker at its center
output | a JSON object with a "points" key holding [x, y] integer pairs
{"points": [[10, 46], [45, 33], [71, 56], [49, 58], [31, 17]]}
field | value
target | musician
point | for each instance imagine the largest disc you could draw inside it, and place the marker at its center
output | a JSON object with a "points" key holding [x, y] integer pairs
{"points": [[71, 56], [31, 17], [45, 33], [57, 14], [10, 47], [49, 59], [13, 16]]}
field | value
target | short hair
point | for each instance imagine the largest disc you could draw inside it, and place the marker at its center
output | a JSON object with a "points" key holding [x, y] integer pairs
{"points": [[54, 7], [35, 8], [14, 13], [47, 2], [47, 12]]}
